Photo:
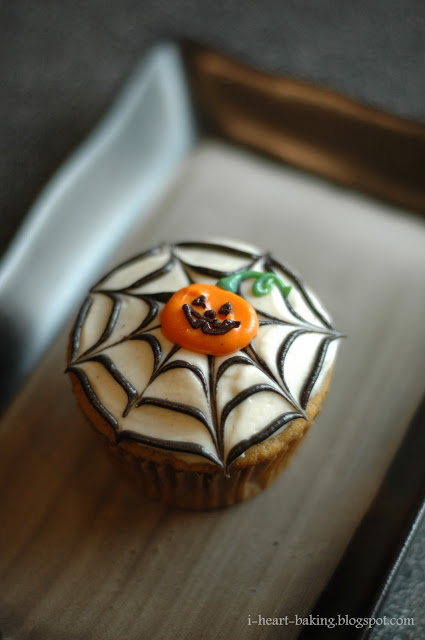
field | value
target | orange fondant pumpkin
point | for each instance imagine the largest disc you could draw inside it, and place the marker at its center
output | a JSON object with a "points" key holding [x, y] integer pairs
{"points": [[208, 319]]}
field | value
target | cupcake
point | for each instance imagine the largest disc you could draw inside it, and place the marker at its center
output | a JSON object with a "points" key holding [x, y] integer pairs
{"points": [[201, 366]]}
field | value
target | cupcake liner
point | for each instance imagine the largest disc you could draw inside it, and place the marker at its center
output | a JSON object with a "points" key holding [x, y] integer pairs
{"points": [[186, 489]]}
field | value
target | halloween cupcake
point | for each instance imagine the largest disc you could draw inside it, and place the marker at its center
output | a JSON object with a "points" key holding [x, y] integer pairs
{"points": [[201, 366]]}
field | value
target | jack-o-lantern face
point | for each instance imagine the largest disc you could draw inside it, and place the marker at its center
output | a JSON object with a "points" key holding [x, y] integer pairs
{"points": [[208, 319]]}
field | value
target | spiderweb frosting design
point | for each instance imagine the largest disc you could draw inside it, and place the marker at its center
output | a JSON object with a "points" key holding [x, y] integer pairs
{"points": [[152, 391]]}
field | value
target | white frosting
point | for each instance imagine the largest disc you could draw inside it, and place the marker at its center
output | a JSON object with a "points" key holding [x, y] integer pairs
{"points": [[190, 403]]}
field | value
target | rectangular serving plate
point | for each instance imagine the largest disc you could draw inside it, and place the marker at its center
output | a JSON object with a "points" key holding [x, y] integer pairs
{"points": [[170, 161]]}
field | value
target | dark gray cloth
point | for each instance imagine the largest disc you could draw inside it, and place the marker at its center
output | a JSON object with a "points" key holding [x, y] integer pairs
{"points": [[62, 63], [407, 595]]}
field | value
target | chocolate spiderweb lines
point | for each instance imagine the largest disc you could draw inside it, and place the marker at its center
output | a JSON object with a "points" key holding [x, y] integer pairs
{"points": [[165, 380]]}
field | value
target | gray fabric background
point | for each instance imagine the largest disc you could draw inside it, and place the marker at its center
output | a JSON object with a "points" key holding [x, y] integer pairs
{"points": [[61, 63]]}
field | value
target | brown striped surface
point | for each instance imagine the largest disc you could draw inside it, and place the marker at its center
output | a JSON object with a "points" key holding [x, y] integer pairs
{"points": [[83, 556]]}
